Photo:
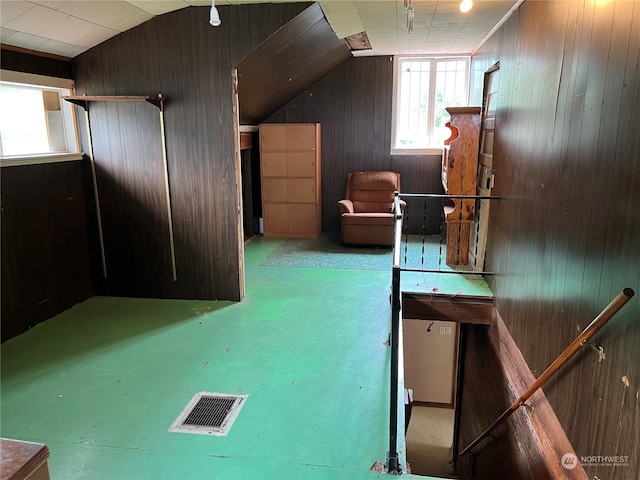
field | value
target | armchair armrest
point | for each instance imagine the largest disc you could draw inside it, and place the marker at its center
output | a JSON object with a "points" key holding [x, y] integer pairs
{"points": [[346, 206]]}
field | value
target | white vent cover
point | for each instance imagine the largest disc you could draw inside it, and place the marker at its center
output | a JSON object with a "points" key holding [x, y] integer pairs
{"points": [[209, 414]]}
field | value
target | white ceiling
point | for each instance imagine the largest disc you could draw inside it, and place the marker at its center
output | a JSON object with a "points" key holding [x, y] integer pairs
{"points": [[69, 27]]}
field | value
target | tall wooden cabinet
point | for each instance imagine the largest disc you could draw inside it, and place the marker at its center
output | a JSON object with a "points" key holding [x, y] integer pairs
{"points": [[290, 176], [459, 172]]}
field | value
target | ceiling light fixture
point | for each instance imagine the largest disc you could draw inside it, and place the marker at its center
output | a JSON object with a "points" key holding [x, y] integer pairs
{"points": [[466, 5], [214, 17], [410, 15]]}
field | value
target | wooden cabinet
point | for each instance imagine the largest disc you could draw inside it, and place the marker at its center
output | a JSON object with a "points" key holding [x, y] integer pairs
{"points": [[459, 172], [290, 176]]}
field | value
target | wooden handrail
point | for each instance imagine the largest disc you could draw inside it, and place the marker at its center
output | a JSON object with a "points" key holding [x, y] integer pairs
{"points": [[610, 310]]}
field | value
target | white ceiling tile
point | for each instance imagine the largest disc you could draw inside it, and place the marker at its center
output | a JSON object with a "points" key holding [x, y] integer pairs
{"points": [[55, 4], [11, 9], [330, 8], [35, 20], [202, 3], [97, 35], [5, 33], [61, 48], [158, 7], [110, 14], [134, 21], [25, 40], [73, 30]]}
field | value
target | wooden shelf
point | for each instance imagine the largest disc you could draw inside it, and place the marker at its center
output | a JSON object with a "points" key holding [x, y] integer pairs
{"points": [[82, 100]]}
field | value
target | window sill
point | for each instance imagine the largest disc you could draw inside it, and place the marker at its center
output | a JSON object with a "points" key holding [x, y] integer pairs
{"points": [[417, 151], [38, 159]]}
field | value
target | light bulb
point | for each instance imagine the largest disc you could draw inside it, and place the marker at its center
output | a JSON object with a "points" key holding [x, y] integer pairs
{"points": [[214, 17], [466, 5]]}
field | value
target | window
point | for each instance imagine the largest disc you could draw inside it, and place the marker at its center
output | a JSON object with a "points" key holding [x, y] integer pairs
{"points": [[423, 88], [34, 120]]}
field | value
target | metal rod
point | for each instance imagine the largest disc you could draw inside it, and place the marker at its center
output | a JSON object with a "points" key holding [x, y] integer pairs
{"points": [[437, 195], [95, 191], [397, 230], [600, 321], [167, 191], [455, 272], [393, 463]]}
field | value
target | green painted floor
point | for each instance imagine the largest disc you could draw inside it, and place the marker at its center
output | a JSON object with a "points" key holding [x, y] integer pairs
{"points": [[101, 383]]}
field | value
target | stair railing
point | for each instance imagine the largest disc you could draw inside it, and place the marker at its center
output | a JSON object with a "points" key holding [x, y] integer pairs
{"points": [[600, 321]]}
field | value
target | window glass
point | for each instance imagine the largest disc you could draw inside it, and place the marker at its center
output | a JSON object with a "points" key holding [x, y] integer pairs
{"points": [[34, 120], [424, 87]]}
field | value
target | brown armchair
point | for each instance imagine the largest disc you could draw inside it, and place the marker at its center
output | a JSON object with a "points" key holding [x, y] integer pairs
{"points": [[366, 214]]}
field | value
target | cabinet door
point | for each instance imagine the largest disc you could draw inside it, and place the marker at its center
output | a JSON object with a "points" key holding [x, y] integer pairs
{"points": [[301, 137], [303, 218], [276, 218], [273, 137], [301, 190], [274, 164], [301, 164], [274, 189]]}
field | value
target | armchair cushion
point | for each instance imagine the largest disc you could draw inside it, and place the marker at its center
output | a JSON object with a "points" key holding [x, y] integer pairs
{"points": [[366, 214], [372, 192]]}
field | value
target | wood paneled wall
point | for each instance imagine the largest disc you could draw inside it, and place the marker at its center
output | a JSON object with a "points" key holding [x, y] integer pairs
{"points": [[302, 51], [181, 56], [353, 104], [45, 252], [566, 238], [39, 65], [531, 443]]}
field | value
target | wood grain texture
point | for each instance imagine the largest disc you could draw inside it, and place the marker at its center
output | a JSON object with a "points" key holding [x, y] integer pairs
{"points": [[290, 60], [23, 460], [45, 250], [353, 104], [531, 443], [39, 65], [476, 310], [565, 240], [181, 56]]}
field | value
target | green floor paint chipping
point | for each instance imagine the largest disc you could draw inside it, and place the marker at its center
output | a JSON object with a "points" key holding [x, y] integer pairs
{"points": [[101, 383]]}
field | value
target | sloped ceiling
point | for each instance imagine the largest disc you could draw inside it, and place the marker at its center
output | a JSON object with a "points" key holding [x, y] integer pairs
{"points": [[286, 63]]}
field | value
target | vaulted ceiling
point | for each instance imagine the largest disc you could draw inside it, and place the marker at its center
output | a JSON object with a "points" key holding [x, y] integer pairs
{"points": [[69, 27]]}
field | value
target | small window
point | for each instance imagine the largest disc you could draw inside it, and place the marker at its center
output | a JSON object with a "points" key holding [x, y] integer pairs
{"points": [[34, 120], [423, 88]]}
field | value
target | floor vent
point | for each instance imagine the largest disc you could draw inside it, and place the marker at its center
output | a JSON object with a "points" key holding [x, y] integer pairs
{"points": [[209, 414]]}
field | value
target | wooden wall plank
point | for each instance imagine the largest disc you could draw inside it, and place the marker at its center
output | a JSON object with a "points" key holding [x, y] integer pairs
{"points": [[564, 241], [45, 250], [286, 63], [531, 443], [181, 56], [39, 65]]}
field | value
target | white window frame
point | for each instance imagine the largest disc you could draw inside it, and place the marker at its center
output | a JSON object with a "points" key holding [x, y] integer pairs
{"points": [[73, 141], [431, 149]]}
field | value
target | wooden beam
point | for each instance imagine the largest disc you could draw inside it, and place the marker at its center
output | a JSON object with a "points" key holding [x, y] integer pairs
{"points": [[459, 308]]}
